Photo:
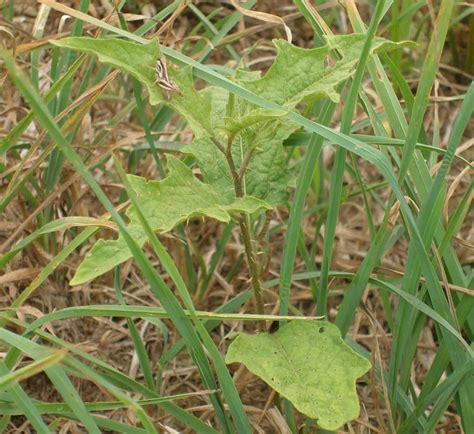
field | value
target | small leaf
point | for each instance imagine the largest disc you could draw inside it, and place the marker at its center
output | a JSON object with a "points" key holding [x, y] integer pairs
{"points": [[309, 364], [234, 126], [165, 204], [267, 175]]}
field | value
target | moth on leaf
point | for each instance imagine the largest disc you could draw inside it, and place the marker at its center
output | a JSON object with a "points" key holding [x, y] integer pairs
{"points": [[163, 80]]}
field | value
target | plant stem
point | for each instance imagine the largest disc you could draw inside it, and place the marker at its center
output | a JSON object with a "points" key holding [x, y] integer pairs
{"points": [[245, 162], [253, 269], [245, 231]]}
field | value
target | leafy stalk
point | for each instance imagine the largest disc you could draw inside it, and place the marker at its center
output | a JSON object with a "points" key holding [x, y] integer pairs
{"points": [[244, 225]]}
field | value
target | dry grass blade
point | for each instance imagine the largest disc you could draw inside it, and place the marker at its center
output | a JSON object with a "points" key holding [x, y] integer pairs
{"points": [[262, 16]]}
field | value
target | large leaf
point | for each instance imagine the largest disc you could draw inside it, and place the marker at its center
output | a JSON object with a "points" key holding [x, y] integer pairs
{"points": [[309, 364], [135, 59], [165, 203], [139, 61], [298, 73]]}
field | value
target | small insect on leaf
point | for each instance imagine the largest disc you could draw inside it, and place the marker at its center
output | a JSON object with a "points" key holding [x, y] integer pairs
{"points": [[163, 80]]}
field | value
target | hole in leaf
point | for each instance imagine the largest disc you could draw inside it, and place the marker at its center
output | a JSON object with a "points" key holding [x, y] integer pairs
{"points": [[322, 330]]}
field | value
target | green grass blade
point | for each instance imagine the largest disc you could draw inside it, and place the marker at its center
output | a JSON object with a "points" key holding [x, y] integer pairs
{"points": [[24, 405], [60, 407], [221, 244], [14, 377], [140, 349], [57, 376], [115, 377], [12, 136], [428, 216], [132, 311], [443, 394], [51, 267], [339, 163], [54, 226], [428, 73], [303, 183], [228, 307]]}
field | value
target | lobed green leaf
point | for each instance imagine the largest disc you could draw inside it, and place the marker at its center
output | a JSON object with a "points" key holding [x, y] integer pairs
{"points": [[300, 74], [135, 59], [165, 203], [309, 364]]}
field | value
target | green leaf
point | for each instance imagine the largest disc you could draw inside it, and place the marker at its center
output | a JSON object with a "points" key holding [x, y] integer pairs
{"points": [[135, 59], [309, 364], [297, 75], [195, 106], [234, 126], [139, 61], [300, 74], [166, 203], [267, 175], [256, 136]]}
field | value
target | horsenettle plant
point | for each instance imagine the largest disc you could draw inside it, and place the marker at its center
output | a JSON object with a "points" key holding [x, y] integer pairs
{"points": [[238, 149]]}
